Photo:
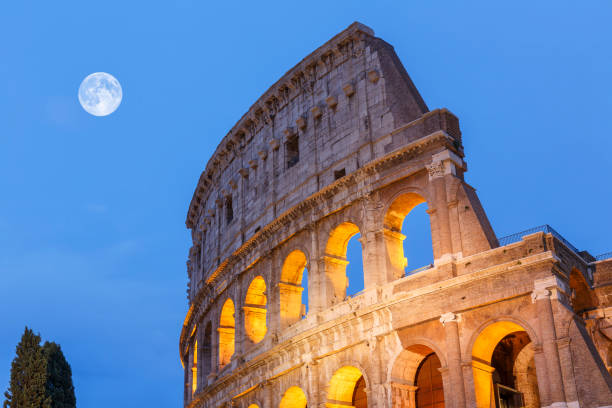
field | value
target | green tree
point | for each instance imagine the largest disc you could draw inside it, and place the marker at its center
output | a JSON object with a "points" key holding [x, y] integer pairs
{"points": [[27, 387], [59, 377]]}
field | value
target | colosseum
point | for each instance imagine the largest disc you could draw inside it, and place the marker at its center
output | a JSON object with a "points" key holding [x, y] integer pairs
{"points": [[343, 144]]}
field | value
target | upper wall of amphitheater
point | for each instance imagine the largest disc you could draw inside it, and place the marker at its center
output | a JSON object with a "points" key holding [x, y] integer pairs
{"points": [[347, 104]]}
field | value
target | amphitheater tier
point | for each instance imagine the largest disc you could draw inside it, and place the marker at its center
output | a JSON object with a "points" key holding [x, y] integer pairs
{"points": [[343, 144]]}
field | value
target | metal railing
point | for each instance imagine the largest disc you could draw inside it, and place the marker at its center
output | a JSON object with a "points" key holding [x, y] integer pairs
{"points": [[547, 229], [601, 257], [417, 270]]}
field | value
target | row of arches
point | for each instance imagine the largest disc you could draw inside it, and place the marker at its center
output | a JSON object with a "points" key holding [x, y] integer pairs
{"points": [[504, 374], [503, 371], [342, 249], [347, 388], [342, 276]]}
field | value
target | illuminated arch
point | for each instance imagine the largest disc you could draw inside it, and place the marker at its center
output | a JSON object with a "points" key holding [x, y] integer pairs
{"points": [[253, 406], [227, 332], [395, 215], [255, 310], [335, 259], [291, 287], [414, 363], [483, 357], [346, 385], [294, 397], [194, 368]]}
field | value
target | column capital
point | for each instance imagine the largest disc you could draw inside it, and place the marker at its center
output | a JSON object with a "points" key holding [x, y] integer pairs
{"points": [[540, 294], [448, 318]]}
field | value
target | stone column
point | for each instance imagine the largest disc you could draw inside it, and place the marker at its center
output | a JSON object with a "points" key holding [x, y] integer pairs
{"points": [[189, 373], [403, 395], [541, 298], [440, 209], [313, 382], [200, 363], [375, 257], [268, 394], [542, 375], [442, 169], [567, 369], [453, 355]]}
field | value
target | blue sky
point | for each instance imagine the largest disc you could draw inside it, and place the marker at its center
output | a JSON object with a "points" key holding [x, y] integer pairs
{"points": [[92, 236]]}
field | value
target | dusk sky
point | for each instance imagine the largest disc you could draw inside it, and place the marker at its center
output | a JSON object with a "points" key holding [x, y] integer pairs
{"points": [[93, 241]]}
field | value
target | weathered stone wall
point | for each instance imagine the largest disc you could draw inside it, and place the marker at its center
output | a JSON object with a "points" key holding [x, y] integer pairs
{"points": [[369, 151]]}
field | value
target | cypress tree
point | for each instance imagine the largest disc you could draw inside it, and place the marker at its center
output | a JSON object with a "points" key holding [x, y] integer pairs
{"points": [[59, 377], [27, 387]]}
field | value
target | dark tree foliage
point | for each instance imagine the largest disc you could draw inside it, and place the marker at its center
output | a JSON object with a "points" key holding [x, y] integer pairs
{"points": [[59, 377], [28, 375], [40, 376]]}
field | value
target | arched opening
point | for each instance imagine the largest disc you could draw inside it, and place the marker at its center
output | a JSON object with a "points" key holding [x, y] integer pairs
{"points": [[416, 380], [408, 239], [206, 354], [347, 388], [582, 299], [294, 397], [354, 268], [227, 332], [336, 261], [504, 368], [194, 368], [253, 406], [292, 304], [430, 391], [255, 310]]}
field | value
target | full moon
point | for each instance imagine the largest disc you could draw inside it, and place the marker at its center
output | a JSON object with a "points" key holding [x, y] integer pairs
{"points": [[100, 94]]}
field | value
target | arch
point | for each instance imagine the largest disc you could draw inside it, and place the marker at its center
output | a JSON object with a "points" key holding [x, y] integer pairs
{"points": [[347, 387], [255, 312], [500, 319], [194, 368], [336, 262], [400, 207], [291, 288], [227, 332], [253, 406], [412, 360], [582, 299], [294, 397], [205, 353], [495, 358]]}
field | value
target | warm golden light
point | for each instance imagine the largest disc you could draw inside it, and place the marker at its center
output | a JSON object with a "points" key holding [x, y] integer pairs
{"points": [[227, 331], [335, 258], [194, 369], [291, 288], [255, 310], [342, 386], [481, 360], [394, 239], [294, 398]]}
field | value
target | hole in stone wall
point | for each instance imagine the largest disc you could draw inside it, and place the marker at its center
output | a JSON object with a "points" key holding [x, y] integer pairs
{"points": [[339, 174], [292, 150], [354, 269], [229, 210]]}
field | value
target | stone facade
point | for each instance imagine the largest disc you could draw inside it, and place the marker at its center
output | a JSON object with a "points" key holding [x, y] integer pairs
{"points": [[344, 144]]}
